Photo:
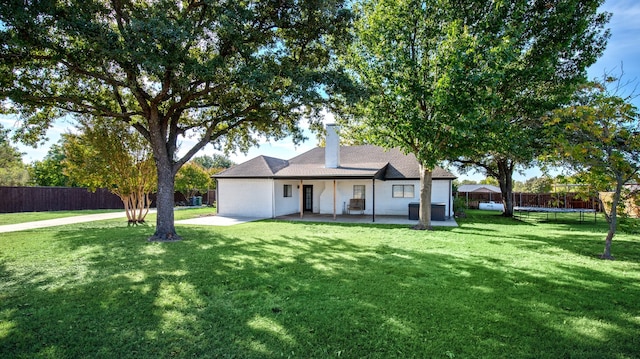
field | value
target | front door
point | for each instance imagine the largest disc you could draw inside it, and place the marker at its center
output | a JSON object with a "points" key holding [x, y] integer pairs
{"points": [[307, 198]]}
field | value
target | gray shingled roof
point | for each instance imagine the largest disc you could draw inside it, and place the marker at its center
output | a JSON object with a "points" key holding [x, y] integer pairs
{"points": [[486, 188], [355, 162], [261, 166]]}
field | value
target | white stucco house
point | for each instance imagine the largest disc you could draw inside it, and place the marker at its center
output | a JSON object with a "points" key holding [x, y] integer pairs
{"points": [[324, 180]]}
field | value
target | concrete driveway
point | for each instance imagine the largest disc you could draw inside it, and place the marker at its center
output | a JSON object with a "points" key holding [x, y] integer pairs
{"points": [[60, 221]]}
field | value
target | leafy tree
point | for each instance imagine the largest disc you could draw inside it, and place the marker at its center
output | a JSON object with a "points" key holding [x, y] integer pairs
{"points": [[13, 172], [468, 80], [467, 181], [8, 154], [490, 180], [216, 161], [538, 185], [14, 175], [413, 58], [50, 171], [225, 72], [537, 53], [115, 157], [519, 186], [192, 178], [599, 138]]}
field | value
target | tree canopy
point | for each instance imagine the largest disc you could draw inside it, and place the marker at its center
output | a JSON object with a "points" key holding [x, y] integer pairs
{"points": [[414, 59], [13, 171], [192, 178], [598, 137], [222, 72], [216, 161], [50, 171], [102, 155], [469, 80], [537, 53]]}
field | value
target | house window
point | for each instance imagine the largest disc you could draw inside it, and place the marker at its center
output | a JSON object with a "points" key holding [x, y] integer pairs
{"points": [[358, 191], [403, 191], [288, 190]]}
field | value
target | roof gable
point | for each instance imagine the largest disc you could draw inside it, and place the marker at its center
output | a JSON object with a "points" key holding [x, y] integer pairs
{"points": [[261, 166]]}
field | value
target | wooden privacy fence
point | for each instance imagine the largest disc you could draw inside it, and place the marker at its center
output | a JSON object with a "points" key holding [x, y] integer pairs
{"points": [[521, 199], [41, 199], [179, 199]]}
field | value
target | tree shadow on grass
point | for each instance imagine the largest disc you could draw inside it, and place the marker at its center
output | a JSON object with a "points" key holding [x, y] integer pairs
{"points": [[582, 238], [586, 240], [305, 291]]}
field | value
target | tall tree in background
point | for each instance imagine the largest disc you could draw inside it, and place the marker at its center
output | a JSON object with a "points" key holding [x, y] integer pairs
{"points": [[222, 72], [213, 165], [538, 52], [415, 59], [50, 170], [469, 80], [538, 185], [192, 178], [13, 171], [216, 161], [598, 137], [115, 157]]}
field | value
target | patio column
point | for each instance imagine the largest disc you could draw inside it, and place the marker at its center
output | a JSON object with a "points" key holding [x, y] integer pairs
{"points": [[374, 199], [301, 199], [334, 200]]}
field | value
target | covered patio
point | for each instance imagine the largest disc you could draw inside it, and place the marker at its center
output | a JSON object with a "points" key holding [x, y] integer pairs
{"points": [[368, 219]]}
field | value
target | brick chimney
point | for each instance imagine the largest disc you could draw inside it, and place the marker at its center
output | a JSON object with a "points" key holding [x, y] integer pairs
{"points": [[332, 147]]}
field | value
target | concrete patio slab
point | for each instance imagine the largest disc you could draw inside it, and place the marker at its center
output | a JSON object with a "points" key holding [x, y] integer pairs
{"points": [[364, 219], [216, 220]]}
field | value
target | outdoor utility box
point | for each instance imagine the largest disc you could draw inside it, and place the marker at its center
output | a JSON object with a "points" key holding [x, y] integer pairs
{"points": [[437, 211], [414, 211], [196, 201]]}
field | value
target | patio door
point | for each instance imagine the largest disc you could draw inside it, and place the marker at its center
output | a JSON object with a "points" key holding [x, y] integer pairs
{"points": [[307, 198]]}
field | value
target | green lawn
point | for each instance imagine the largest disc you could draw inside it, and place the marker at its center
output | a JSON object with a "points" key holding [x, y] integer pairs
{"points": [[491, 288], [24, 217]]}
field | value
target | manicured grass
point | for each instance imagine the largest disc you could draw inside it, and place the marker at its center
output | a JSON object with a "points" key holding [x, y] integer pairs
{"points": [[24, 217], [492, 288]]}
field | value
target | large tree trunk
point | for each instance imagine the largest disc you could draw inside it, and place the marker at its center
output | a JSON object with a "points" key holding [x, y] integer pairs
{"points": [[505, 179], [424, 221], [165, 228], [612, 218]]}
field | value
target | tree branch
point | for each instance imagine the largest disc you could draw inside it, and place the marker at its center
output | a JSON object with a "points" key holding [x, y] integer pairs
{"points": [[208, 136]]}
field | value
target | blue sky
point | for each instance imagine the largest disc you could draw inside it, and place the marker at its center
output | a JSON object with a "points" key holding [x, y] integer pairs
{"points": [[623, 50]]}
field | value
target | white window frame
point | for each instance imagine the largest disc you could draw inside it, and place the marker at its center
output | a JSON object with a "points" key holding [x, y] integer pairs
{"points": [[356, 193], [287, 190], [405, 192]]}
